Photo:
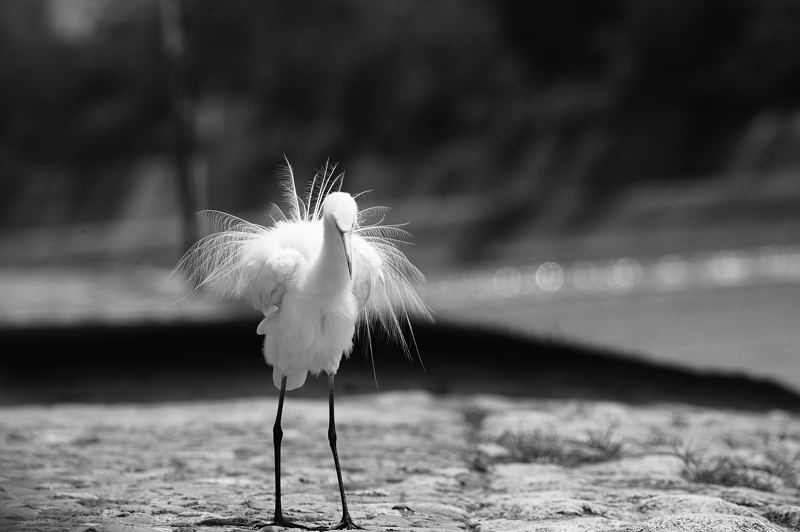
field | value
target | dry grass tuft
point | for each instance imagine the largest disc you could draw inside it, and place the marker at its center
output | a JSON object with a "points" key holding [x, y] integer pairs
{"points": [[474, 416], [548, 447], [725, 471]]}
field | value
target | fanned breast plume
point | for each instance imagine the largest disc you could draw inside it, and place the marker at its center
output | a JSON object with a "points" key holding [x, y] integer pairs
{"points": [[228, 262]]}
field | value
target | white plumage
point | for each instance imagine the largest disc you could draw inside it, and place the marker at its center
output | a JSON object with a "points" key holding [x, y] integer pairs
{"points": [[295, 271], [318, 272]]}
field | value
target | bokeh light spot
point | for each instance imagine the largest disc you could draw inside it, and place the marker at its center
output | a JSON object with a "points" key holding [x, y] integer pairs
{"points": [[671, 271], [550, 276], [626, 273]]}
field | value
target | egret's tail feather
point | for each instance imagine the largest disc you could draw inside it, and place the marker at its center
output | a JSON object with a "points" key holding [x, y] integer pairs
{"points": [[276, 214], [372, 216], [297, 209], [393, 300], [322, 184], [212, 221], [219, 261]]}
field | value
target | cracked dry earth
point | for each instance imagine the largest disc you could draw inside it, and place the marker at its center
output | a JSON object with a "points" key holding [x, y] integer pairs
{"points": [[411, 461]]}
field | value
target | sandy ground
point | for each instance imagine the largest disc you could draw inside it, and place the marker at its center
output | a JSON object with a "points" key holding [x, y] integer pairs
{"points": [[411, 461]]}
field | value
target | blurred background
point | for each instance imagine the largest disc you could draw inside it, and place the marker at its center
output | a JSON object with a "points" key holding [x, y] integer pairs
{"points": [[619, 177]]}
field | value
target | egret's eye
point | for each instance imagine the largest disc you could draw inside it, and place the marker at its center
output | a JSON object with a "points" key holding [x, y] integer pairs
{"points": [[343, 230]]}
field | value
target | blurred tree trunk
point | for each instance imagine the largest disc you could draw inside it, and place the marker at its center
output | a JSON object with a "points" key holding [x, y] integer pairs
{"points": [[172, 16]]}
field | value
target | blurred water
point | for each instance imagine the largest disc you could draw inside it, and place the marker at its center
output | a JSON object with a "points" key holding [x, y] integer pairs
{"points": [[619, 275], [731, 310], [748, 329]]}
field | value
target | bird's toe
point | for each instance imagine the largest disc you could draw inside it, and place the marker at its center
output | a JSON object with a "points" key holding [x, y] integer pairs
{"points": [[347, 524], [281, 525]]}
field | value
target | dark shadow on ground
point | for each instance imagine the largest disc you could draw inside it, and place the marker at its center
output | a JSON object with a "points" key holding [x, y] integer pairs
{"points": [[202, 361]]}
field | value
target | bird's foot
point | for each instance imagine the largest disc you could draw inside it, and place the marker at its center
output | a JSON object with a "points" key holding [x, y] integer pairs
{"points": [[282, 523], [346, 524]]}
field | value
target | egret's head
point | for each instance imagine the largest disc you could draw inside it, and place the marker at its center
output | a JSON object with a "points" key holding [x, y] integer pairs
{"points": [[340, 208]]}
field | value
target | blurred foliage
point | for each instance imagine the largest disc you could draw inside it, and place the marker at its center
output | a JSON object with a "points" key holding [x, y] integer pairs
{"points": [[550, 99]]}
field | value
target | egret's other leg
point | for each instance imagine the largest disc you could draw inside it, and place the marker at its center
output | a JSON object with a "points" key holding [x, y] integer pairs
{"points": [[277, 436], [347, 522]]}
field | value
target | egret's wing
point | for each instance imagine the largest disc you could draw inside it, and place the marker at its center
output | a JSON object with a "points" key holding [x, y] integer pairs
{"points": [[383, 282], [366, 270], [240, 261]]}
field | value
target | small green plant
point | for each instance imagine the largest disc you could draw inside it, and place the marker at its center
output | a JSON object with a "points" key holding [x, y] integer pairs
{"points": [[605, 442], [723, 471], [535, 446], [474, 416], [660, 438], [548, 447], [478, 462], [784, 465]]}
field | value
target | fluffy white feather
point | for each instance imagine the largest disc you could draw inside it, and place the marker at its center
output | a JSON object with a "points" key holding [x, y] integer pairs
{"points": [[262, 264]]}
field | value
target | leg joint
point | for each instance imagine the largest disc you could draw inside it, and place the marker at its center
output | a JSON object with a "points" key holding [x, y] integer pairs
{"points": [[277, 433], [332, 436]]}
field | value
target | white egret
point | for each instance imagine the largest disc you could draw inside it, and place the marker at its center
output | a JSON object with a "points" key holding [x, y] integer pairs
{"points": [[317, 272]]}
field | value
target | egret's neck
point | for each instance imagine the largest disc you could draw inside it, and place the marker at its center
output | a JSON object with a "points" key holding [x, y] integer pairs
{"points": [[329, 273]]}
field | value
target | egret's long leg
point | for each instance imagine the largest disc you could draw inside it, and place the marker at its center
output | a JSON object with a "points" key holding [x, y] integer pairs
{"points": [[277, 436], [347, 522]]}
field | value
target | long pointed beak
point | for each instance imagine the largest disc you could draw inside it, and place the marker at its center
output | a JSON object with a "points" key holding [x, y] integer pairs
{"points": [[348, 251]]}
